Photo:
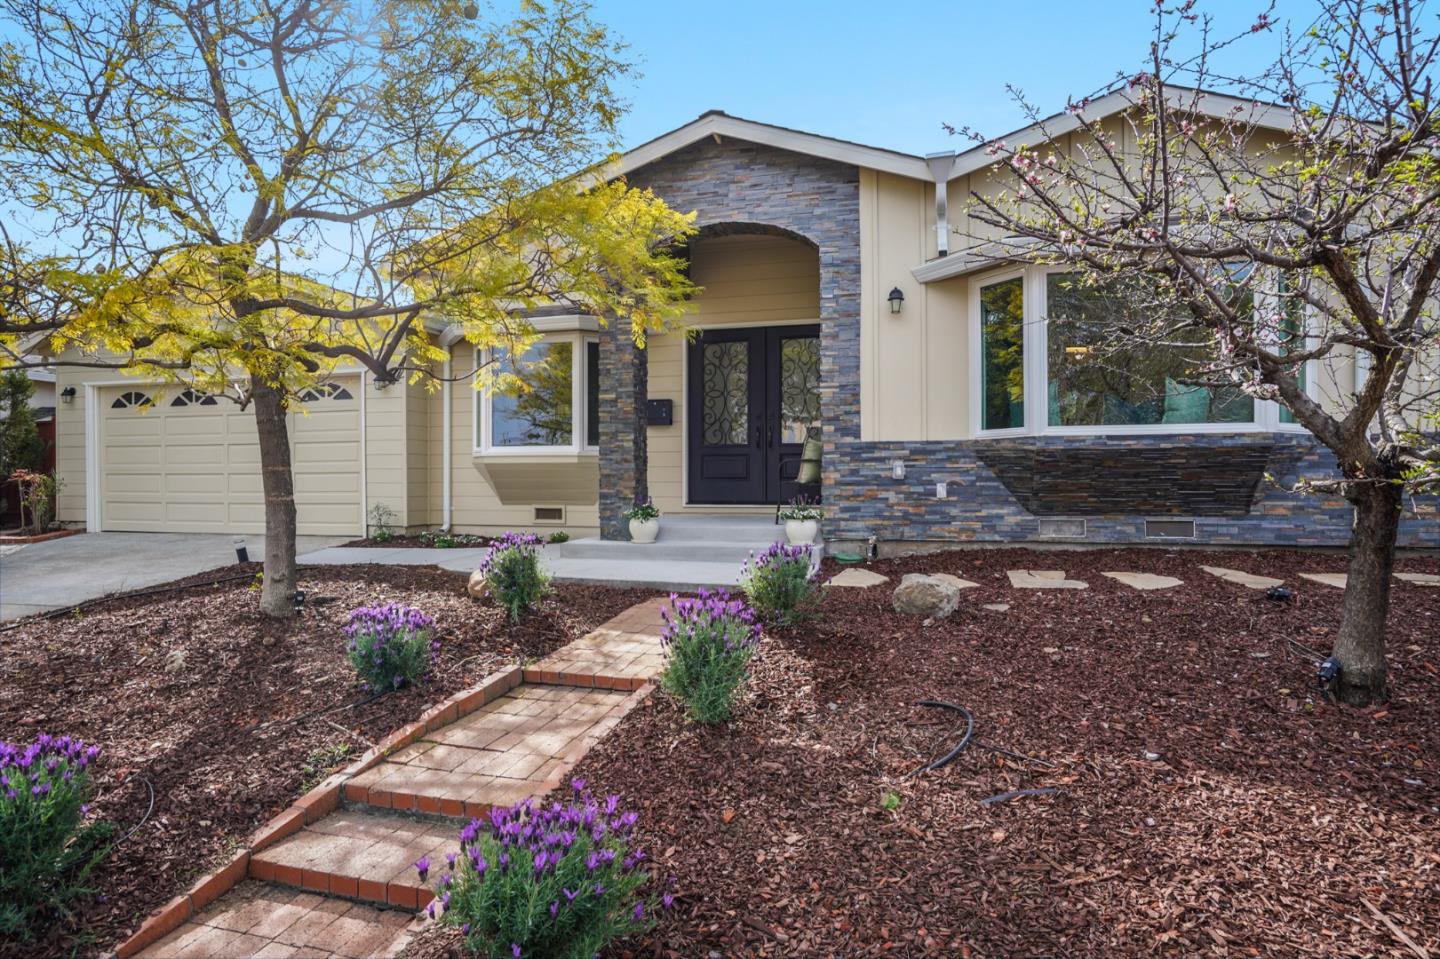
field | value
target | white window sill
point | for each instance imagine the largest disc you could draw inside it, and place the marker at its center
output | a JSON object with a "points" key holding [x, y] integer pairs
{"points": [[536, 456]]}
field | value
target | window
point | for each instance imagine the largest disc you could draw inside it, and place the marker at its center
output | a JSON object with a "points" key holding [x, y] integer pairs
{"points": [[132, 399], [1042, 360], [1292, 337], [592, 393], [1092, 381], [332, 391], [556, 407], [1002, 352], [193, 398]]}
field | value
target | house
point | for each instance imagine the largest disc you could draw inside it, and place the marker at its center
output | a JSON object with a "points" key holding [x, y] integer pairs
{"points": [[831, 306]]}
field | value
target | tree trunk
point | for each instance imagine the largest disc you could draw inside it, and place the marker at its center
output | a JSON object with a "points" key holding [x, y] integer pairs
{"points": [[1360, 647], [277, 596]]}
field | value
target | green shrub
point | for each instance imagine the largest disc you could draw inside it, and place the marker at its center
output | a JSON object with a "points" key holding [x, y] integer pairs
{"points": [[559, 536], [446, 539], [390, 646], [558, 882], [709, 641], [46, 848], [780, 584], [513, 574]]}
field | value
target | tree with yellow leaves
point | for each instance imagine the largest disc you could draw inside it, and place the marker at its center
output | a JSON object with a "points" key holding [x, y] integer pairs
{"points": [[256, 192]]}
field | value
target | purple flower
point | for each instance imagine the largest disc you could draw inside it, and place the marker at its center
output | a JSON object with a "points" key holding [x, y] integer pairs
{"points": [[422, 866], [578, 785], [666, 901], [639, 911], [554, 908], [515, 950]]}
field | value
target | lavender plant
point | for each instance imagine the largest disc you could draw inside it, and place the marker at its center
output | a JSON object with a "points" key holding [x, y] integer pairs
{"points": [[709, 641], [780, 584], [555, 882], [46, 846], [390, 645], [512, 571]]}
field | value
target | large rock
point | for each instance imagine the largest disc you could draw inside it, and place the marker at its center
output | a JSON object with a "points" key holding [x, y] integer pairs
{"points": [[477, 587], [921, 595]]}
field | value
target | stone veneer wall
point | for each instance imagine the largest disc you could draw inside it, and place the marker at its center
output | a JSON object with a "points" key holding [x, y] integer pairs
{"points": [[733, 184], [729, 185], [865, 501]]}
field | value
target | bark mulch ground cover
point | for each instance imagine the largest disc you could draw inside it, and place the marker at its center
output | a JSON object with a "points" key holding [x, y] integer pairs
{"points": [[1208, 800], [228, 716]]}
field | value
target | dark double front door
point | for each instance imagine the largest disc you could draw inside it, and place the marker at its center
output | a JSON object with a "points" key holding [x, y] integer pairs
{"points": [[753, 395]]}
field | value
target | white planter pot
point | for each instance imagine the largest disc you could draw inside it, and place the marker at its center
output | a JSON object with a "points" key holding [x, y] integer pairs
{"points": [[801, 532], [644, 530]]}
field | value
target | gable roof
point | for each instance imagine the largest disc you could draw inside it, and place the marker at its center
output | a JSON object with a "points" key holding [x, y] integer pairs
{"points": [[717, 123], [1220, 106]]}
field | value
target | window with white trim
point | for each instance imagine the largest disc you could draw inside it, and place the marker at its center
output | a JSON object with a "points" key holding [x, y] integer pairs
{"points": [[556, 411], [1041, 362]]}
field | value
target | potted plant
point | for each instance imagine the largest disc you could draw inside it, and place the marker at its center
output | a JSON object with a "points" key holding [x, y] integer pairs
{"points": [[802, 521], [644, 519]]}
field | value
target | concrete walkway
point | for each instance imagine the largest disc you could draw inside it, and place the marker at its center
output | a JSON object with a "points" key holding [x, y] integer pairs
{"points": [[345, 886], [63, 572]]}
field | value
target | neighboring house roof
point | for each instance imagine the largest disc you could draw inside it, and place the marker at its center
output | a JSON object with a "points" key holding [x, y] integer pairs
{"points": [[717, 123]]}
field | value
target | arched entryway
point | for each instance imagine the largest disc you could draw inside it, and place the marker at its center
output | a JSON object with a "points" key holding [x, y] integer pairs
{"points": [[745, 387]]}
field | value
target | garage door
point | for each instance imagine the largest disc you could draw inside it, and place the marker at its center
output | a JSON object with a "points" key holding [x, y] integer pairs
{"points": [[181, 462]]}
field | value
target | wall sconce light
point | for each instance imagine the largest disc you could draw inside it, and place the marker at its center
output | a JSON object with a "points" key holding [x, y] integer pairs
{"points": [[897, 300], [897, 469], [67, 395]]}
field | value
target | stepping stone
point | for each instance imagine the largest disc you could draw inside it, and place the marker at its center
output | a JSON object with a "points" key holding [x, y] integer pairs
{"points": [[1043, 579], [955, 581], [997, 607], [857, 578], [1145, 580], [1419, 579], [1327, 579], [1242, 578]]}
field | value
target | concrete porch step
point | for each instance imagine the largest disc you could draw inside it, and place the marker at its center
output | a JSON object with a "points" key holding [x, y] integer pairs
{"points": [[677, 577]]}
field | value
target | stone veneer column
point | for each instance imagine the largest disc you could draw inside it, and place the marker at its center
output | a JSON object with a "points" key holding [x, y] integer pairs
{"points": [[623, 457]]}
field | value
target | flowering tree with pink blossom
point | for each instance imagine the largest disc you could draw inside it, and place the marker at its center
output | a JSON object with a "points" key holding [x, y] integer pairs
{"points": [[1279, 233]]}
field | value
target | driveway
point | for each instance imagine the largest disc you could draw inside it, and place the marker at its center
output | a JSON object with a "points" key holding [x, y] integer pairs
{"points": [[63, 572]]}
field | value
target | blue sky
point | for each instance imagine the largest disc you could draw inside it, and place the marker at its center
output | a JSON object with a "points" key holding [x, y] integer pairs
{"points": [[890, 73]]}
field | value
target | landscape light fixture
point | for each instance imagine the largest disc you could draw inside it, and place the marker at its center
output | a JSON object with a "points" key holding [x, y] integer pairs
{"points": [[897, 300]]}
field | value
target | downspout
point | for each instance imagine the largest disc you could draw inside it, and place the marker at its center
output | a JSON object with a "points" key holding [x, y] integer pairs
{"points": [[447, 423], [446, 442], [940, 165]]}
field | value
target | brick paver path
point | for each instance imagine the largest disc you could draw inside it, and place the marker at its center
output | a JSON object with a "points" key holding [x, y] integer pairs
{"points": [[622, 654], [346, 887]]}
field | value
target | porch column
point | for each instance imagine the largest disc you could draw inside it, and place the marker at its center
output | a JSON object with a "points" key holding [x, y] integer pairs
{"points": [[624, 461]]}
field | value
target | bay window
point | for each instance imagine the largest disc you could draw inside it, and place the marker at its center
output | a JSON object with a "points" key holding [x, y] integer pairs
{"points": [[555, 408], [1044, 360], [1094, 383]]}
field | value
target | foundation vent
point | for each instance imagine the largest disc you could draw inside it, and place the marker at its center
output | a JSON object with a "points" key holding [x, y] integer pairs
{"points": [[1062, 528], [1169, 529], [549, 514]]}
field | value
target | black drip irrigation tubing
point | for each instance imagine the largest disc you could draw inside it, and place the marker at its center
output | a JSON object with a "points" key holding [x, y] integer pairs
{"points": [[967, 740]]}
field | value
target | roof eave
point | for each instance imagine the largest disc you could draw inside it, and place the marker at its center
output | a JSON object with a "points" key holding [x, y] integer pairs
{"points": [[722, 125]]}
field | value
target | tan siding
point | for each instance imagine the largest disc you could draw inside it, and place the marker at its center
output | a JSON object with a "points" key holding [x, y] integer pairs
{"points": [[748, 281]]}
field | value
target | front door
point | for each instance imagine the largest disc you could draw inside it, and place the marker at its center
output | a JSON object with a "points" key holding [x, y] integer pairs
{"points": [[754, 394]]}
